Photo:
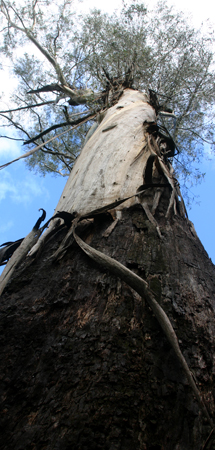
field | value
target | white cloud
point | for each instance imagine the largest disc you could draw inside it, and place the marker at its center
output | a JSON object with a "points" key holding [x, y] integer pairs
{"points": [[6, 185], [109, 6], [7, 226], [27, 189], [200, 11], [9, 149], [21, 189]]}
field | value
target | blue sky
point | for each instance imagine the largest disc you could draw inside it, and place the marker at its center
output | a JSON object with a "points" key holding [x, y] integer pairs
{"points": [[202, 214], [22, 192]]}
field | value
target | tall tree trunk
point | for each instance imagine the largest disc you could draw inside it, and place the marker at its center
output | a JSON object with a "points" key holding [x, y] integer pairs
{"points": [[84, 362], [106, 169]]}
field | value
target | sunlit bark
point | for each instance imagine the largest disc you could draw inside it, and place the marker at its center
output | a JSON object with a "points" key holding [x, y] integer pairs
{"points": [[106, 169]]}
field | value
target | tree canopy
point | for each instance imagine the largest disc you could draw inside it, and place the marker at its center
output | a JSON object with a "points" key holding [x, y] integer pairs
{"points": [[64, 63]]}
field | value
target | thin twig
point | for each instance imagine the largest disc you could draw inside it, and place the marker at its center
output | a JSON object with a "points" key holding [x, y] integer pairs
{"points": [[208, 439]]}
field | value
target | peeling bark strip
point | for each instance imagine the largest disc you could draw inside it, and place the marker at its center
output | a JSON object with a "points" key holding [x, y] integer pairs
{"points": [[20, 253], [17, 257], [141, 287], [7, 250]]}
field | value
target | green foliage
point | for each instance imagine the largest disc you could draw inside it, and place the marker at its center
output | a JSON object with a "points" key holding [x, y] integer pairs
{"points": [[165, 53]]}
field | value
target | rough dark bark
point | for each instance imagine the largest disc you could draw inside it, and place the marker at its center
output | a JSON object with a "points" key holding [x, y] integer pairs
{"points": [[84, 364]]}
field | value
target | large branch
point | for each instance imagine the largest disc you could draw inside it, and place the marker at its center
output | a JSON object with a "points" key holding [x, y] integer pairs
{"points": [[77, 97], [48, 88]]}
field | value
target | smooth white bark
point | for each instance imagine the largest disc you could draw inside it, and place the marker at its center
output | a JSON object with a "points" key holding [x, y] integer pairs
{"points": [[106, 169]]}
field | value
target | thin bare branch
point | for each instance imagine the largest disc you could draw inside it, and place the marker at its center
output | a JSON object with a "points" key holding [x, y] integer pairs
{"points": [[27, 107], [34, 14], [16, 125], [59, 125], [55, 39], [56, 171], [198, 135], [8, 137], [65, 155], [43, 144]]}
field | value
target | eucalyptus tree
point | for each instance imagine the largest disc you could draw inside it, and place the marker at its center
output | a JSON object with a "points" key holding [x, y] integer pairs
{"points": [[116, 340]]}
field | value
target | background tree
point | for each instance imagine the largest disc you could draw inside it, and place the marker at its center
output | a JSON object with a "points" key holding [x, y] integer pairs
{"points": [[106, 383]]}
